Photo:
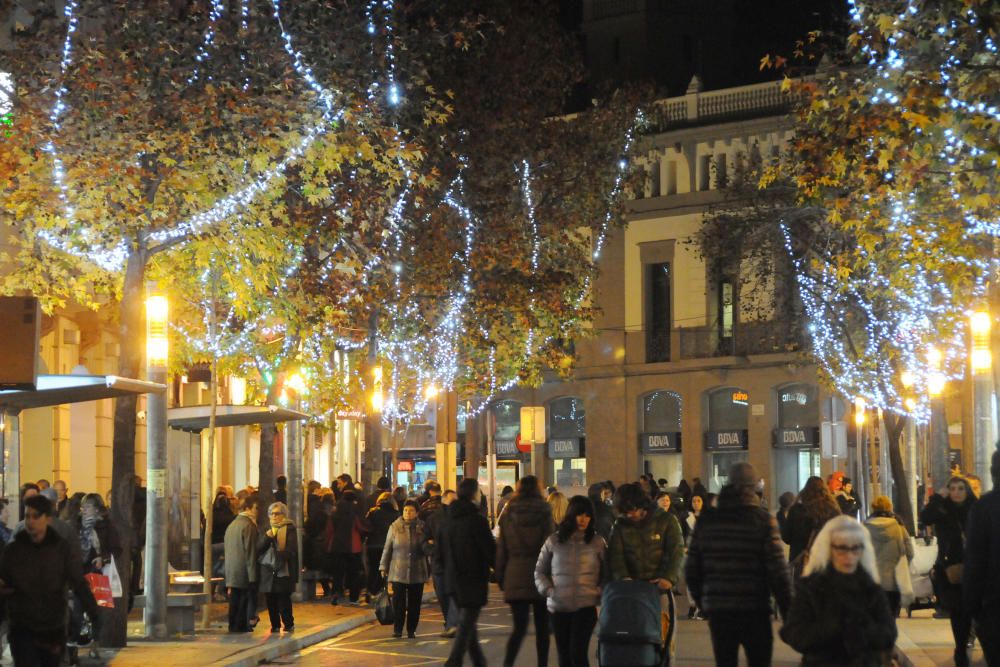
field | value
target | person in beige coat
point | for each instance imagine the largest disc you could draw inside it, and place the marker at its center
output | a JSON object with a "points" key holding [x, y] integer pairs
{"points": [[891, 542], [404, 562]]}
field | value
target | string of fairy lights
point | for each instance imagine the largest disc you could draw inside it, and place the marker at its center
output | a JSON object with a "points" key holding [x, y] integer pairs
{"points": [[444, 346], [924, 309]]}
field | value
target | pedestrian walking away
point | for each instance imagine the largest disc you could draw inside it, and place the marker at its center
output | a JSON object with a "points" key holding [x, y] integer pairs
{"points": [[892, 544], [735, 564], [437, 525], [948, 513], [570, 572], [278, 555], [469, 551], [404, 565], [380, 517], [981, 574], [240, 546], [839, 616], [647, 545], [813, 508], [525, 525]]}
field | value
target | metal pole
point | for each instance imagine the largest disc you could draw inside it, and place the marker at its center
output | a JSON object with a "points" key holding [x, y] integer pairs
{"points": [[864, 475], [983, 427], [293, 469], [156, 509], [910, 460]]}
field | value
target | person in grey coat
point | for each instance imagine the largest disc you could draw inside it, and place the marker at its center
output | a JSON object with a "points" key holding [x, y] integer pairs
{"points": [[525, 524], [240, 548], [404, 562], [278, 555], [570, 571]]}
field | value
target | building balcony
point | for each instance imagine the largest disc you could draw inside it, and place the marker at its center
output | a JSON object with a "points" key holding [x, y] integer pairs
{"points": [[749, 338]]}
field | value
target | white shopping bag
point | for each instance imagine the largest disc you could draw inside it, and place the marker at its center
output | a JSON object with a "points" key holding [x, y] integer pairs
{"points": [[111, 572]]}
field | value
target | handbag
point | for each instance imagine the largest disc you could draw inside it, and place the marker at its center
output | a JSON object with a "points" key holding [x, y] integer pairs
{"points": [[799, 564], [100, 586], [383, 606], [953, 573]]}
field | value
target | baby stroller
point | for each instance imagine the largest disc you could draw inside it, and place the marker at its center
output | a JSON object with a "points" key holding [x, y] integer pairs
{"points": [[630, 630]]}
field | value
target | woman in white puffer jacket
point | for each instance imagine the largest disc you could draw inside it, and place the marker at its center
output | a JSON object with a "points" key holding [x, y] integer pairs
{"points": [[571, 569]]}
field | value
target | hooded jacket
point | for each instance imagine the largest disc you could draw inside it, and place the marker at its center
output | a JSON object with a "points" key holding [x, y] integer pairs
{"points": [[736, 560], [379, 519], [891, 542], [650, 549], [570, 574], [404, 557], [469, 551], [39, 574], [604, 518], [524, 526]]}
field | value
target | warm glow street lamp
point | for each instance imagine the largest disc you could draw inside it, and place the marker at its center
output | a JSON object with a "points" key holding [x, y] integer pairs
{"points": [[157, 357], [981, 361]]}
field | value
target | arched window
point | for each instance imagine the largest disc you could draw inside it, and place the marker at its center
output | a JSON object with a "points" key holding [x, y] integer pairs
{"points": [[661, 412], [728, 409], [566, 418], [798, 406]]}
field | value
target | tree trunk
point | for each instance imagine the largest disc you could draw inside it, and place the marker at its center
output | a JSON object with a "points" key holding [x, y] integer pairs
{"points": [[894, 425], [131, 336], [265, 470]]}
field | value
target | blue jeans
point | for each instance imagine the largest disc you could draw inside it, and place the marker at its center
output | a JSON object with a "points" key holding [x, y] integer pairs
{"points": [[448, 607]]}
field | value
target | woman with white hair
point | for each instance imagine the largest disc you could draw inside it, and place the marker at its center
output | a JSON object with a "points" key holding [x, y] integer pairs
{"points": [[839, 615], [278, 554]]}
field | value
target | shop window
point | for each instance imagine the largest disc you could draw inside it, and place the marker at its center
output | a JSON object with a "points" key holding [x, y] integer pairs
{"points": [[661, 412], [728, 409], [566, 418], [727, 305], [798, 406]]}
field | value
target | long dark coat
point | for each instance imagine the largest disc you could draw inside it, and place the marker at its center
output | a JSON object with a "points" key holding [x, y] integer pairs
{"points": [[469, 553], [524, 526]]}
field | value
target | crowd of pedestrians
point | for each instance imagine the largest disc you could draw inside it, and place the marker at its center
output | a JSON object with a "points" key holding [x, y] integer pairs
{"points": [[836, 583]]}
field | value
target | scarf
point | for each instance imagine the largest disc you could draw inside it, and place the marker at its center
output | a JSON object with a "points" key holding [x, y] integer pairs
{"points": [[280, 529], [88, 536]]}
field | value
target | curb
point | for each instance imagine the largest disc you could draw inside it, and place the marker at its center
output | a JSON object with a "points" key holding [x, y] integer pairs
{"points": [[254, 656]]}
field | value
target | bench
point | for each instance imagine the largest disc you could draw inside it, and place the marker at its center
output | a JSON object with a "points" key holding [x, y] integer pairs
{"points": [[181, 608]]}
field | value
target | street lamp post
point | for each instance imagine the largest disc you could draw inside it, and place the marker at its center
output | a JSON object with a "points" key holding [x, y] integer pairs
{"points": [[864, 466], [293, 459], [982, 378], [155, 617]]}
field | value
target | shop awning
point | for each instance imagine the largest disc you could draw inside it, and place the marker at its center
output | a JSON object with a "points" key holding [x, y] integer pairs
{"points": [[61, 389], [195, 418]]}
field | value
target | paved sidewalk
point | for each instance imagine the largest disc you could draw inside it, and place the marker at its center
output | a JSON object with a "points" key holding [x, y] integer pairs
{"points": [[315, 622], [927, 642]]}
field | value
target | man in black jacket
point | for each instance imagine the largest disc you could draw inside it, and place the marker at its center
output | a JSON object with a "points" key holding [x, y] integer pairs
{"points": [[735, 562], [35, 570], [436, 519], [469, 552], [981, 573]]}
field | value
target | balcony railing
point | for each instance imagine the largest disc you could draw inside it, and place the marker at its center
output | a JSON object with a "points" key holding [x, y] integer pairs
{"points": [[747, 339]]}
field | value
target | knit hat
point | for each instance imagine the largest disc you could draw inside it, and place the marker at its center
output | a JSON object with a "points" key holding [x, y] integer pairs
{"points": [[881, 504], [743, 474]]}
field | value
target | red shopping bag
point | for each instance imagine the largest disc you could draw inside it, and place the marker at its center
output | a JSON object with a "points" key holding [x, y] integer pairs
{"points": [[100, 586]]}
